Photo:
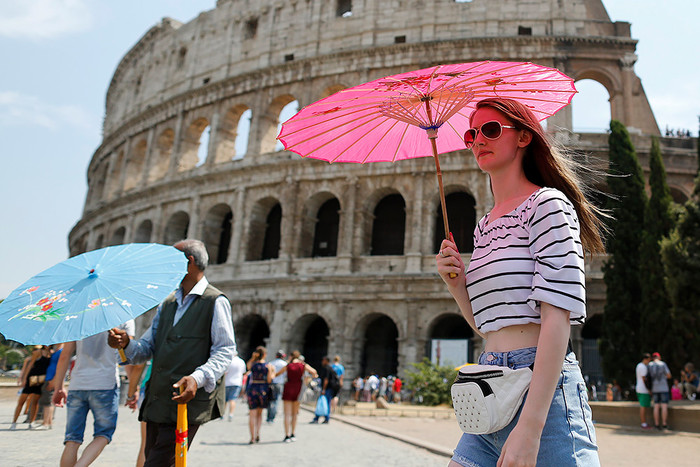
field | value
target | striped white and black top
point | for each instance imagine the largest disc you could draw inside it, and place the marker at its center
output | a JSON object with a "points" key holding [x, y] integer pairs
{"points": [[530, 255]]}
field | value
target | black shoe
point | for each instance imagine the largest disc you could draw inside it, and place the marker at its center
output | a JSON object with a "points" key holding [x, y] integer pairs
{"points": [[664, 427], [658, 427], [292, 438], [287, 439], [315, 420], [326, 421]]}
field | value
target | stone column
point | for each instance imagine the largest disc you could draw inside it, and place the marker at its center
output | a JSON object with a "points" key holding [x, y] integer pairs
{"points": [[277, 325], [415, 225], [177, 144], [148, 163], [213, 139], [195, 229], [236, 251], [125, 162]]}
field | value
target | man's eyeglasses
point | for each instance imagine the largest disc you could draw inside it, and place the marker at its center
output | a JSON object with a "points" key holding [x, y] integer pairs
{"points": [[490, 130]]}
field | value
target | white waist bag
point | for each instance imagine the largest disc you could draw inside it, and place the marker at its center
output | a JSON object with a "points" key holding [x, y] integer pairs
{"points": [[487, 397]]}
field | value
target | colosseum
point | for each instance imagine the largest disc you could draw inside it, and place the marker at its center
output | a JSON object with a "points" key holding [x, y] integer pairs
{"points": [[334, 259]]}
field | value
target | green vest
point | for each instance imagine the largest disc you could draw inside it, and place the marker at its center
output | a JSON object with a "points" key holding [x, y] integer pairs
{"points": [[178, 351]]}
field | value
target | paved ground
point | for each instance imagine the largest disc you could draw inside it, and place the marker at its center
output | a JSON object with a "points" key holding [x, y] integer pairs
{"points": [[355, 441]]}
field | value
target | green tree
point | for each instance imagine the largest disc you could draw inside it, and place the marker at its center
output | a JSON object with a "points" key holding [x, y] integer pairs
{"points": [[430, 384], [658, 222], [619, 343], [681, 258]]}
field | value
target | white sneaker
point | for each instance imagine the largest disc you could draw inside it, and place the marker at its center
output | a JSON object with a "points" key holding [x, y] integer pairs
{"points": [[42, 427], [13, 427]]}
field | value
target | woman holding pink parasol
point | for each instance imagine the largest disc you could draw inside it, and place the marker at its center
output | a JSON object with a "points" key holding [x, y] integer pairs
{"points": [[525, 285]]}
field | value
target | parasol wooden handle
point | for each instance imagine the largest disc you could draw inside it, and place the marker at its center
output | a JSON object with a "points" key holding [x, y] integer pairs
{"points": [[438, 171], [181, 435], [122, 355]]}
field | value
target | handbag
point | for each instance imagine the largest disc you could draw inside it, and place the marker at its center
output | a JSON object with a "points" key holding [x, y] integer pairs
{"points": [[487, 397], [36, 380]]}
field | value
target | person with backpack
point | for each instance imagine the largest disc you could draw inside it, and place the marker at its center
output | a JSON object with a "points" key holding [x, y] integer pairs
{"points": [[660, 375], [643, 389], [330, 385]]}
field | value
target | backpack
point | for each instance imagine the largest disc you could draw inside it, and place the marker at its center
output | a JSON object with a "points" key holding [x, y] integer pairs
{"points": [[647, 379], [657, 372], [333, 381]]}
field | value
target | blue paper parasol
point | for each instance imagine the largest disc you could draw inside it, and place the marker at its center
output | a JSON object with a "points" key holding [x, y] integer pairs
{"points": [[90, 293]]}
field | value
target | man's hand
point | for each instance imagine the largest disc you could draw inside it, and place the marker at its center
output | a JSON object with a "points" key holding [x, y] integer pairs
{"points": [[59, 397], [189, 389], [118, 338], [133, 401]]}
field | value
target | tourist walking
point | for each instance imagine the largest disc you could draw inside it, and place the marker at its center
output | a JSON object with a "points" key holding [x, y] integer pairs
{"points": [[330, 385], [525, 286], [234, 382], [277, 385], [32, 380], [258, 390], [295, 371]]}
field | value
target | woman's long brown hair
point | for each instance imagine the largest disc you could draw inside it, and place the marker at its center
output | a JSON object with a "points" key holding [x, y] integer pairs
{"points": [[547, 166]]}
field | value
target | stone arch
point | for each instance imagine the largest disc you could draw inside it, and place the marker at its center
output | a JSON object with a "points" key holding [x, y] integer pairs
{"points": [[135, 165], [309, 335], [191, 143], [162, 154], [319, 225], [217, 232], [679, 195], [332, 89], [251, 331], [270, 122], [229, 146], [98, 181], [176, 228], [388, 226], [114, 178], [99, 243], [591, 107], [286, 113], [376, 342], [591, 332], [143, 232], [118, 236], [461, 217], [450, 327], [264, 234]]}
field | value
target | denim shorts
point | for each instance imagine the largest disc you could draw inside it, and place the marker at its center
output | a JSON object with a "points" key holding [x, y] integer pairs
{"points": [[232, 392], [568, 436], [660, 397], [103, 404]]}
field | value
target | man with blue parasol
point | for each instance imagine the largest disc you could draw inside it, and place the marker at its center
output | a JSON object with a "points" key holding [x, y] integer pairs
{"points": [[191, 342]]}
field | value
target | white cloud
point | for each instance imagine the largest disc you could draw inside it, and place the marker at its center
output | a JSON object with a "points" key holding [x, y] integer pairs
{"points": [[22, 110], [42, 19]]}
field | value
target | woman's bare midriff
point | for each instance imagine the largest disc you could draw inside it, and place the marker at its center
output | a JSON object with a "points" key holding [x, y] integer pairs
{"points": [[512, 337]]}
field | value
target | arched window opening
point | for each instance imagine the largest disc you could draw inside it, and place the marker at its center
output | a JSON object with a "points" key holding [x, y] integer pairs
{"points": [[100, 242], [217, 233], [271, 243], [450, 341], [143, 232], [242, 134], [287, 112], [388, 227], [591, 362], [316, 342], [115, 176], [326, 231], [135, 165], [251, 331], [163, 153], [380, 354], [192, 143], [590, 107], [176, 228], [344, 9], [118, 236], [203, 148], [461, 216]]}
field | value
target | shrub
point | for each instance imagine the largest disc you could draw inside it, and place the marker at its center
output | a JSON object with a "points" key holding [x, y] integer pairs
{"points": [[430, 384]]}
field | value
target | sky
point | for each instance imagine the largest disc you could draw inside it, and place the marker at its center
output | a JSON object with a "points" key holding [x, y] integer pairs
{"points": [[57, 58]]}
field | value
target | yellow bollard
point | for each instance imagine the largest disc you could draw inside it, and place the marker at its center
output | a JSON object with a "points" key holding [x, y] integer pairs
{"points": [[181, 435]]}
